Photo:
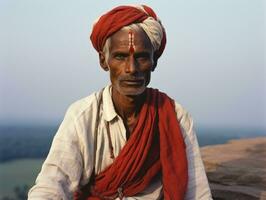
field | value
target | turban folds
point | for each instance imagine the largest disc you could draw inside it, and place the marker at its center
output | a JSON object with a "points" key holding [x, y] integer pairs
{"points": [[121, 16]]}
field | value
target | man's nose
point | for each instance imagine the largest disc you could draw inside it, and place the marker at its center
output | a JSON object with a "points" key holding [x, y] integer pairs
{"points": [[132, 65]]}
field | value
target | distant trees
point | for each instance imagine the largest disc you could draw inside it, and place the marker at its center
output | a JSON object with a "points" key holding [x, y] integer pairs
{"points": [[25, 142], [20, 193]]}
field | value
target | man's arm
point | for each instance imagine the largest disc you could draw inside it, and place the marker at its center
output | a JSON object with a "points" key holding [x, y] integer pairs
{"points": [[62, 169], [198, 186]]}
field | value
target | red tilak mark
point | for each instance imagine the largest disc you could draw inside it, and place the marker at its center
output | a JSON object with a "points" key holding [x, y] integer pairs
{"points": [[131, 42]]}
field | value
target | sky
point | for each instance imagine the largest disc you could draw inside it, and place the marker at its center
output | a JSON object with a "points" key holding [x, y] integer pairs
{"points": [[214, 64]]}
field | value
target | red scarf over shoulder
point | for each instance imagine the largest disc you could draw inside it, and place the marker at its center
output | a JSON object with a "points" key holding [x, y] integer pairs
{"points": [[155, 146]]}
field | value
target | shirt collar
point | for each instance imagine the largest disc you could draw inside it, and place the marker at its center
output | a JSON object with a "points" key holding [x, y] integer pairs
{"points": [[109, 112]]}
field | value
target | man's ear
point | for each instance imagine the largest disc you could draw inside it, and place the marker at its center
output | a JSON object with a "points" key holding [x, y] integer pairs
{"points": [[155, 59], [103, 61]]}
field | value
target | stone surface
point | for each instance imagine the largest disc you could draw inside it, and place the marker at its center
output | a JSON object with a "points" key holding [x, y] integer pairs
{"points": [[237, 169]]}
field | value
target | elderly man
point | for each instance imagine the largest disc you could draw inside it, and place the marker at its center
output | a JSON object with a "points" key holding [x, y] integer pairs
{"points": [[126, 141]]}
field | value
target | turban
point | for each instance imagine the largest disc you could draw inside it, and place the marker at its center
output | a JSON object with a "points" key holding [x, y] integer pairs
{"points": [[121, 16]]}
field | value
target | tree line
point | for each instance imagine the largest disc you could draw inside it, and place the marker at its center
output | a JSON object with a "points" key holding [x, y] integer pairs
{"points": [[25, 141]]}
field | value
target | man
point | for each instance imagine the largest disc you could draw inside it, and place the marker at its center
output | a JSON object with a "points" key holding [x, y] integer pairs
{"points": [[126, 141]]}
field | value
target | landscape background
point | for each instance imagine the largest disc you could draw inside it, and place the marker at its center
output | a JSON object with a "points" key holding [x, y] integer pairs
{"points": [[214, 65]]}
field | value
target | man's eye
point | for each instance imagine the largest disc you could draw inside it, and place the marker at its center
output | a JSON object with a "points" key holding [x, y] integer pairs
{"points": [[120, 57], [143, 57]]}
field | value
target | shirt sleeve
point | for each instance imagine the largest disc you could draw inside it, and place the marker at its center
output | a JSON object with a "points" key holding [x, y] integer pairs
{"points": [[62, 169], [198, 186]]}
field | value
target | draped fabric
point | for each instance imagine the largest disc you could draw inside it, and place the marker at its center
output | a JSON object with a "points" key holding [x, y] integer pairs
{"points": [[117, 18], [155, 147]]}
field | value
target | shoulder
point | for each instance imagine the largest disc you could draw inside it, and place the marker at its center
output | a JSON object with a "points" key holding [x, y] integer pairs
{"points": [[183, 115], [83, 106], [79, 115], [185, 120]]}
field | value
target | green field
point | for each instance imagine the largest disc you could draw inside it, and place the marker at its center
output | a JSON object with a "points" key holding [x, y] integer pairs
{"points": [[18, 173]]}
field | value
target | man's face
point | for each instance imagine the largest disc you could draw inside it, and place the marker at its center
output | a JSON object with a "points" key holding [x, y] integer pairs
{"points": [[130, 61]]}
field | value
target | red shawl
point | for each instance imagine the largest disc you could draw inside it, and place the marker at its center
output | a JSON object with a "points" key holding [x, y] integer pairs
{"points": [[155, 146]]}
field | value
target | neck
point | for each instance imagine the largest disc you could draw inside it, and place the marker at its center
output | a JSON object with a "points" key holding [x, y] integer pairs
{"points": [[127, 107]]}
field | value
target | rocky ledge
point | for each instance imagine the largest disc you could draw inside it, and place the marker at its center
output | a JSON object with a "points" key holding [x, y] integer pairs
{"points": [[237, 170]]}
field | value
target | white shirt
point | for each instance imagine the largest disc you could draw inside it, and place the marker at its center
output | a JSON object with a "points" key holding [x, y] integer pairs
{"points": [[72, 156]]}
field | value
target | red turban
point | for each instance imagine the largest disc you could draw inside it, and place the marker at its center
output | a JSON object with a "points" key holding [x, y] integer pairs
{"points": [[117, 18]]}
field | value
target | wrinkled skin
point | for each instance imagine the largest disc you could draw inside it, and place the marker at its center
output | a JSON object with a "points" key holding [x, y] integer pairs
{"points": [[130, 63]]}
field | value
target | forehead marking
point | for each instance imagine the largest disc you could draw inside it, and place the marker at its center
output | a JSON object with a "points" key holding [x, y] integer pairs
{"points": [[131, 44]]}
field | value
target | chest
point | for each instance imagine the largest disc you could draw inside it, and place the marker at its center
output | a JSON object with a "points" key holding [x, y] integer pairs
{"points": [[118, 138]]}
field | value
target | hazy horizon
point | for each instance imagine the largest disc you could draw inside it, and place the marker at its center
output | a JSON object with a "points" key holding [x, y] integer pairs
{"points": [[214, 62]]}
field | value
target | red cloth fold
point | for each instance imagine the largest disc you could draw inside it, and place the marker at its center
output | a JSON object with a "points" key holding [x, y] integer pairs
{"points": [[117, 18], [155, 146]]}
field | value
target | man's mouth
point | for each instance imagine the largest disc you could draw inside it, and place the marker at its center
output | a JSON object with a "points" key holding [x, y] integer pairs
{"points": [[135, 82]]}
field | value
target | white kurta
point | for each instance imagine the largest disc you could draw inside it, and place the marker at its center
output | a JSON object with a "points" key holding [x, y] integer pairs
{"points": [[72, 156]]}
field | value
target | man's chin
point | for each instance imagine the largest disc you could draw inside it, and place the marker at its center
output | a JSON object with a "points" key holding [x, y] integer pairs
{"points": [[131, 92]]}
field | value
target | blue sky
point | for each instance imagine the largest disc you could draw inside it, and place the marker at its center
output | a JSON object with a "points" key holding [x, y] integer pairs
{"points": [[214, 62]]}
